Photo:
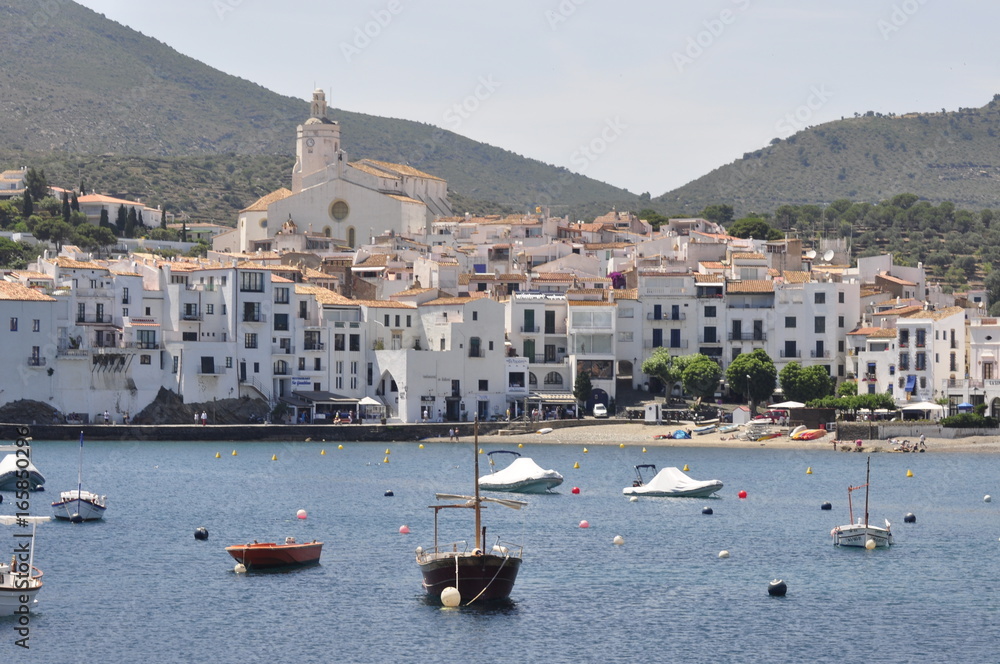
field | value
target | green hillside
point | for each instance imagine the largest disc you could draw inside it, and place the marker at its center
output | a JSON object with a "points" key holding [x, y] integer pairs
{"points": [[76, 83], [946, 156]]}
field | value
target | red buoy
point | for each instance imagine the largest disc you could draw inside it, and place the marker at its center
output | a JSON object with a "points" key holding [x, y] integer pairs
{"points": [[742, 494], [576, 489]]}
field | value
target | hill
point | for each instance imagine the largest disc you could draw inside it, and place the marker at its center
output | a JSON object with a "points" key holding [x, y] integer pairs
{"points": [[76, 83], [946, 156]]}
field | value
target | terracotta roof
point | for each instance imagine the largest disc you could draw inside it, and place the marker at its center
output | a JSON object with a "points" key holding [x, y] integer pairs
{"points": [[627, 294], [901, 311], [16, 292], [400, 169], [375, 260], [385, 304], [712, 265], [278, 279], [883, 333], [29, 274], [748, 256], [708, 278], [412, 291], [896, 280], [323, 295], [406, 199], [590, 303], [98, 198], [553, 276], [455, 300], [608, 245], [865, 331], [936, 314], [750, 286], [260, 205], [71, 264], [796, 277]]}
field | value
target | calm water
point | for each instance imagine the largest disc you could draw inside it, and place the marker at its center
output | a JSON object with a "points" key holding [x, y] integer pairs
{"points": [[138, 587]]}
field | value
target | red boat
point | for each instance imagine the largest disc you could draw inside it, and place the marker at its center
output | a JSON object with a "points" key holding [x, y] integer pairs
{"points": [[269, 555]]}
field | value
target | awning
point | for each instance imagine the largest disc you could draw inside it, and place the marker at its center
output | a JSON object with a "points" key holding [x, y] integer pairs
{"points": [[368, 401], [320, 396], [965, 405], [911, 383], [923, 405], [553, 397]]}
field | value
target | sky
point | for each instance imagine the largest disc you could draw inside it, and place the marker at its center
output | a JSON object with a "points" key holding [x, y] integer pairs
{"points": [[645, 95]]}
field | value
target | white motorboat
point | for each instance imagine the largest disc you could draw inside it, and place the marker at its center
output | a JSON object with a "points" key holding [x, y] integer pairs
{"points": [[18, 590], [670, 482], [78, 505], [523, 475], [862, 532], [9, 472]]}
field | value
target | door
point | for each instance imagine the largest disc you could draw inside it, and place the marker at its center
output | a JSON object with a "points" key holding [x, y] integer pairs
{"points": [[550, 322], [737, 330], [675, 338], [758, 330], [529, 349], [529, 320], [675, 312], [657, 311], [243, 372], [658, 337]]}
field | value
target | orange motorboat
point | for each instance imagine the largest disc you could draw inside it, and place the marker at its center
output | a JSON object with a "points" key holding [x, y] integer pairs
{"points": [[270, 555]]}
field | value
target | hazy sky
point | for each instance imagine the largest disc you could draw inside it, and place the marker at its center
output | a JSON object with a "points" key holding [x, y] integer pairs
{"points": [[645, 95]]}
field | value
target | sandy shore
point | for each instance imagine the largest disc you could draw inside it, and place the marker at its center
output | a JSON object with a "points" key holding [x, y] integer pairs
{"points": [[642, 434]]}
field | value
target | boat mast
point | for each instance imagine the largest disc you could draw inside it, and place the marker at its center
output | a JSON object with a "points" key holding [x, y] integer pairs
{"points": [[79, 472], [475, 479], [868, 472]]}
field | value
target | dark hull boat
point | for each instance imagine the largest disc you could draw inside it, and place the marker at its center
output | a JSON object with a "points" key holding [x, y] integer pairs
{"points": [[269, 555], [453, 573]]}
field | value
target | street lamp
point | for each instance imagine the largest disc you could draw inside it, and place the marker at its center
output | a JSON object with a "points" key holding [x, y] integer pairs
{"points": [[749, 402]]}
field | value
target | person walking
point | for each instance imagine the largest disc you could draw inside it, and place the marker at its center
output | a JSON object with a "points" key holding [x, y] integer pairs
{"points": [[107, 417], [451, 435], [204, 418], [196, 417]]}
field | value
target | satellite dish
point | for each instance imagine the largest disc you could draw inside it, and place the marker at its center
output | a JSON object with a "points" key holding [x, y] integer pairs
{"points": [[828, 255], [811, 254]]}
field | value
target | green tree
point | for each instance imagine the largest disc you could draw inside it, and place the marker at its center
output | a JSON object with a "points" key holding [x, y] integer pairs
{"points": [[74, 203], [105, 220], [755, 227], [95, 238], [163, 234], [27, 205], [36, 184], [654, 218], [753, 374], [582, 388], [12, 254], [56, 231], [130, 223], [849, 388], [701, 376], [664, 366], [66, 209], [120, 220], [805, 384], [720, 214]]}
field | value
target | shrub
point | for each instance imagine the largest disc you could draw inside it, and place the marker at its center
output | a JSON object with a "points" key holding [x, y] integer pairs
{"points": [[968, 421]]}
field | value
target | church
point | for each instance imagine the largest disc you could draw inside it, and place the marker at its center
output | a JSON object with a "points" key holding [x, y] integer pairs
{"points": [[334, 198]]}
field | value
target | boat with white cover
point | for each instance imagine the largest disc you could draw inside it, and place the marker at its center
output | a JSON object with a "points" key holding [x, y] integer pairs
{"points": [[20, 580], [670, 481], [861, 533], [523, 475], [9, 469]]}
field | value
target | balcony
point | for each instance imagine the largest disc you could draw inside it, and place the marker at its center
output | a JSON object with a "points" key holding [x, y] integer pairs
{"points": [[747, 336], [530, 329], [540, 358], [142, 345], [36, 361], [96, 319], [677, 316], [216, 371], [791, 353], [819, 354], [750, 305], [314, 346], [254, 318], [869, 376], [191, 315], [709, 340], [281, 370], [282, 350], [679, 344]]}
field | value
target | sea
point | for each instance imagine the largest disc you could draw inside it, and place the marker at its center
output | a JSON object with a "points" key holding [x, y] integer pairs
{"points": [[139, 587]]}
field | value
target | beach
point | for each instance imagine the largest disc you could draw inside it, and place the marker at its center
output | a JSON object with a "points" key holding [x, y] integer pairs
{"points": [[637, 433]]}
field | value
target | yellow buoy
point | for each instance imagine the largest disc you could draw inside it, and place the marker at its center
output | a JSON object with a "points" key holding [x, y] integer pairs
{"points": [[274, 457], [234, 452], [621, 445], [520, 444], [421, 446], [322, 452], [909, 473], [340, 447], [387, 450], [385, 460], [585, 450], [809, 470], [218, 456], [576, 464], [686, 468], [480, 450], [644, 450]]}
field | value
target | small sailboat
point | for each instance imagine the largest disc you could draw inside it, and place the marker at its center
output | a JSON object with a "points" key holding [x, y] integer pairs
{"points": [[456, 574], [862, 533], [78, 505], [20, 583]]}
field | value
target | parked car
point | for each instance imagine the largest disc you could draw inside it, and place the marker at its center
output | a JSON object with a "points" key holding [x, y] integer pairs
{"points": [[600, 410]]}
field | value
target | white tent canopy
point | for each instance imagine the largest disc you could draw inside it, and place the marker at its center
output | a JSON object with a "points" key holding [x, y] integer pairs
{"points": [[923, 405], [787, 404]]}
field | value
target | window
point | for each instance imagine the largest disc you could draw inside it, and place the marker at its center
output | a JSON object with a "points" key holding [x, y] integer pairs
{"points": [[475, 349], [209, 309], [840, 321], [625, 312], [840, 297], [553, 378], [229, 362], [13, 324], [281, 295], [281, 322], [397, 320], [921, 337], [250, 340], [354, 382], [370, 373], [819, 298], [251, 312], [145, 359], [339, 210], [920, 361], [710, 335], [36, 325], [484, 385], [189, 336], [147, 339], [223, 309], [904, 338], [354, 372], [386, 319], [302, 364], [408, 317], [317, 364], [338, 341], [177, 364], [710, 312], [81, 312], [904, 362], [624, 336], [952, 363], [125, 296], [491, 345], [355, 342], [819, 325], [789, 321], [256, 365], [840, 346], [475, 315], [338, 382], [252, 282]]}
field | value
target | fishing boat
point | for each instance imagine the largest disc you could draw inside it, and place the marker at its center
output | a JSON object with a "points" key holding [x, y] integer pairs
{"points": [[669, 482], [862, 533], [523, 475], [702, 430], [10, 469], [78, 505], [18, 590], [729, 427], [456, 574], [270, 555]]}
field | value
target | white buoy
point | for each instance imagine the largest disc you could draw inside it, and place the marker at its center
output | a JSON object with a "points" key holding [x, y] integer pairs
{"points": [[723, 554], [618, 540], [450, 597], [987, 498], [634, 499], [870, 544], [240, 568]]}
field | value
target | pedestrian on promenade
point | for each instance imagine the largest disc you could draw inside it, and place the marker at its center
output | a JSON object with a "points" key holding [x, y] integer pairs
{"points": [[196, 417], [204, 418], [107, 417], [451, 435]]}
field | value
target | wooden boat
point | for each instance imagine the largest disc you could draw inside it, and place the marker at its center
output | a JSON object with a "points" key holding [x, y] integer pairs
{"points": [[861, 533], [18, 590], [455, 574], [270, 555], [699, 431], [78, 505], [728, 428]]}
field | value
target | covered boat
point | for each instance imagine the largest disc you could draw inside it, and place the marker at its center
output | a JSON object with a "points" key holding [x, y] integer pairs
{"points": [[670, 482], [708, 428], [523, 475], [270, 555], [8, 473]]}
